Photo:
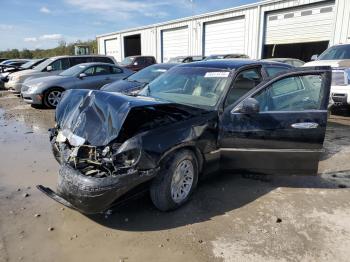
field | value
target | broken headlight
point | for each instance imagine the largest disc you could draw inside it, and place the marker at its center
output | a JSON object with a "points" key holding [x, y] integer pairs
{"points": [[127, 158]]}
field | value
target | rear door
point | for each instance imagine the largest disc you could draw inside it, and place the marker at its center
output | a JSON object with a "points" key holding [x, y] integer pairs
{"points": [[285, 134], [96, 77]]}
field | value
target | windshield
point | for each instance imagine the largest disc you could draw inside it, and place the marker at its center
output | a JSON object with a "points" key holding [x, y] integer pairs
{"points": [[127, 61], [176, 60], [29, 64], [195, 86], [73, 71], [148, 74], [44, 64], [336, 53]]}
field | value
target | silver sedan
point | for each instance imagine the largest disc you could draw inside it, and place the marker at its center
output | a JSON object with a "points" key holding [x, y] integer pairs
{"points": [[48, 90]]}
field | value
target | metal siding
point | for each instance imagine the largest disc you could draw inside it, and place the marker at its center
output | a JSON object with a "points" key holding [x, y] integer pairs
{"points": [[112, 47], [174, 43], [298, 29], [255, 24], [225, 36]]}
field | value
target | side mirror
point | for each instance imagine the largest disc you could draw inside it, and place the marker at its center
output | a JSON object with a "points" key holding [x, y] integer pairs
{"points": [[249, 106], [314, 57], [82, 75], [49, 68]]}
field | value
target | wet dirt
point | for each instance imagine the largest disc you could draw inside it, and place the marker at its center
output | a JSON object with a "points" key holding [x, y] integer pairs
{"points": [[230, 217]]}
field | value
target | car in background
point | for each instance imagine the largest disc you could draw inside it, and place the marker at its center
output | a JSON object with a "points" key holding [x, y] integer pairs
{"points": [[186, 59], [136, 63], [290, 61], [29, 65], [226, 56], [338, 57], [3, 59], [196, 118], [48, 90], [133, 83], [52, 66], [12, 63]]}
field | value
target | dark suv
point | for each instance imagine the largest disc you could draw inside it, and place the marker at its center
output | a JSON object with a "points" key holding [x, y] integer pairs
{"points": [[136, 63]]}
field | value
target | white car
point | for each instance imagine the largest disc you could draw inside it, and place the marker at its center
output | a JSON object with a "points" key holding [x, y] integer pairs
{"points": [[338, 57]]}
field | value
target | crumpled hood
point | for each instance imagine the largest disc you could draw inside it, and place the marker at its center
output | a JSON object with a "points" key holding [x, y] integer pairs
{"points": [[331, 63], [97, 116]]}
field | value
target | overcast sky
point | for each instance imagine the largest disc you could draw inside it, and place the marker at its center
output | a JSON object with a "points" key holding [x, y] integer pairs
{"points": [[42, 24]]}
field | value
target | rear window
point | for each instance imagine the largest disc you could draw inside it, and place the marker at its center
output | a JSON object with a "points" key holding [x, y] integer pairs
{"points": [[102, 60], [275, 70]]}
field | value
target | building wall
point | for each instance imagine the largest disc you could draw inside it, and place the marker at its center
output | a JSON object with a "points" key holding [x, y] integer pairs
{"points": [[254, 27]]}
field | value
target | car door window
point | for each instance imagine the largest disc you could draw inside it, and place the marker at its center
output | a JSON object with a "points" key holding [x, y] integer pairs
{"points": [[296, 93], [102, 70], [60, 64], [275, 70], [116, 70], [244, 82], [90, 71], [78, 60]]}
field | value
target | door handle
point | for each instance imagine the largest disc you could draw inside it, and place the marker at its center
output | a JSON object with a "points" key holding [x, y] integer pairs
{"points": [[306, 125]]}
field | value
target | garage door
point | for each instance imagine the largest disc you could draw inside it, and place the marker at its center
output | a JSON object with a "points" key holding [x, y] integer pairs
{"points": [[224, 36], [307, 24], [112, 48], [174, 43]]}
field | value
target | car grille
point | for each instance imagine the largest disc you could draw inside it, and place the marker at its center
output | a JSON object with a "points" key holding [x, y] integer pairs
{"points": [[339, 78]]}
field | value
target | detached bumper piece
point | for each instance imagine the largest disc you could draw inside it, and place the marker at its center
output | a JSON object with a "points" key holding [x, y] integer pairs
{"points": [[91, 195]]}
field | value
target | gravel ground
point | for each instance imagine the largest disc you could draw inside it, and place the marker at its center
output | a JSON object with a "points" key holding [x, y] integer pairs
{"points": [[230, 218]]}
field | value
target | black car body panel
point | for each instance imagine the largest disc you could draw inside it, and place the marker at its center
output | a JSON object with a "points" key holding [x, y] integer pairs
{"points": [[109, 143]]}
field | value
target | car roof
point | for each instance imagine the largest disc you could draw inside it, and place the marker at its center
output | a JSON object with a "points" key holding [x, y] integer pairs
{"points": [[96, 63], [72, 56], [230, 63]]}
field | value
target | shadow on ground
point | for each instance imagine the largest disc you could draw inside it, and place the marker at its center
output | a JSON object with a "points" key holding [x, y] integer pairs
{"points": [[214, 197]]}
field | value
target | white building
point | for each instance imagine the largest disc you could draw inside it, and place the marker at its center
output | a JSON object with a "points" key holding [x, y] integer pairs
{"points": [[280, 28]]}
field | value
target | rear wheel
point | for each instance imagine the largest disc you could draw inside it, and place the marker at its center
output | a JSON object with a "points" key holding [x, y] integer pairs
{"points": [[52, 97], [176, 181]]}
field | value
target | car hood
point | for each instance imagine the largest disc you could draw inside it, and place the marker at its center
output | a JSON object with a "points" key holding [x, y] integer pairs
{"points": [[25, 72], [123, 86], [97, 118], [331, 63], [48, 80]]}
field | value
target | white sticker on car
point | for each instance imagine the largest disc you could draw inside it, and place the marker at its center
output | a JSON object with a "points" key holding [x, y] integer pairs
{"points": [[217, 74]]}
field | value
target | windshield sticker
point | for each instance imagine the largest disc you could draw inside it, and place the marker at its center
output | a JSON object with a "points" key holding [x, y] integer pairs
{"points": [[217, 74]]}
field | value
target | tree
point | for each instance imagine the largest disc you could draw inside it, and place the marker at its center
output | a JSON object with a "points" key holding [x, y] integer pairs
{"points": [[26, 54]]}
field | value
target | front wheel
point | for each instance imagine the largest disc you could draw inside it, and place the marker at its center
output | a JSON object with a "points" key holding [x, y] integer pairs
{"points": [[176, 181], [52, 97]]}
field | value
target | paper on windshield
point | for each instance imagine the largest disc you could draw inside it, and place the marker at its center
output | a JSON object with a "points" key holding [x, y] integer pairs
{"points": [[217, 74]]}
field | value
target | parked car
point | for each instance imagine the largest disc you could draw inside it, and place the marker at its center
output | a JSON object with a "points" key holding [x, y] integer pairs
{"points": [[48, 90], [52, 66], [195, 118], [186, 59], [136, 63], [290, 61], [338, 57], [226, 56], [133, 83], [29, 65], [13, 63], [2, 60]]}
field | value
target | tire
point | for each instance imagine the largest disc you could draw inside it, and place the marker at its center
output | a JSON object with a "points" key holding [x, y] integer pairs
{"points": [[52, 96], [174, 175]]}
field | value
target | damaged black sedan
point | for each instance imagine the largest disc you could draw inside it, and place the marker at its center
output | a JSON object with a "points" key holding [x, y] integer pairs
{"points": [[241, 115]]}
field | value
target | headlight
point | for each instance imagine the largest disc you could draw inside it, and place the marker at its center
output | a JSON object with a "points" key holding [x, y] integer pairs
{"points": [[127, 158], [128, 154], [32, 89]]}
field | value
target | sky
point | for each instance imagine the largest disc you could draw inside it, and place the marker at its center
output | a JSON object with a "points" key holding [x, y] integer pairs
{"points": [[43, 24]]}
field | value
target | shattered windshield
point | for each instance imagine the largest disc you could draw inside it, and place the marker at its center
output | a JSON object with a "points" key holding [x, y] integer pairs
{"points": [[195, 86]]}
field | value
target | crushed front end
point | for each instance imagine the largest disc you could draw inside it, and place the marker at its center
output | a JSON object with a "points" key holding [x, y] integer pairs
{"points": [[99, 141]]}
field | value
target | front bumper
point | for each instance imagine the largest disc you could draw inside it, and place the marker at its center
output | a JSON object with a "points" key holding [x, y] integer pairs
{"points": [[14, 86], [90, 195], [35, 99]]}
